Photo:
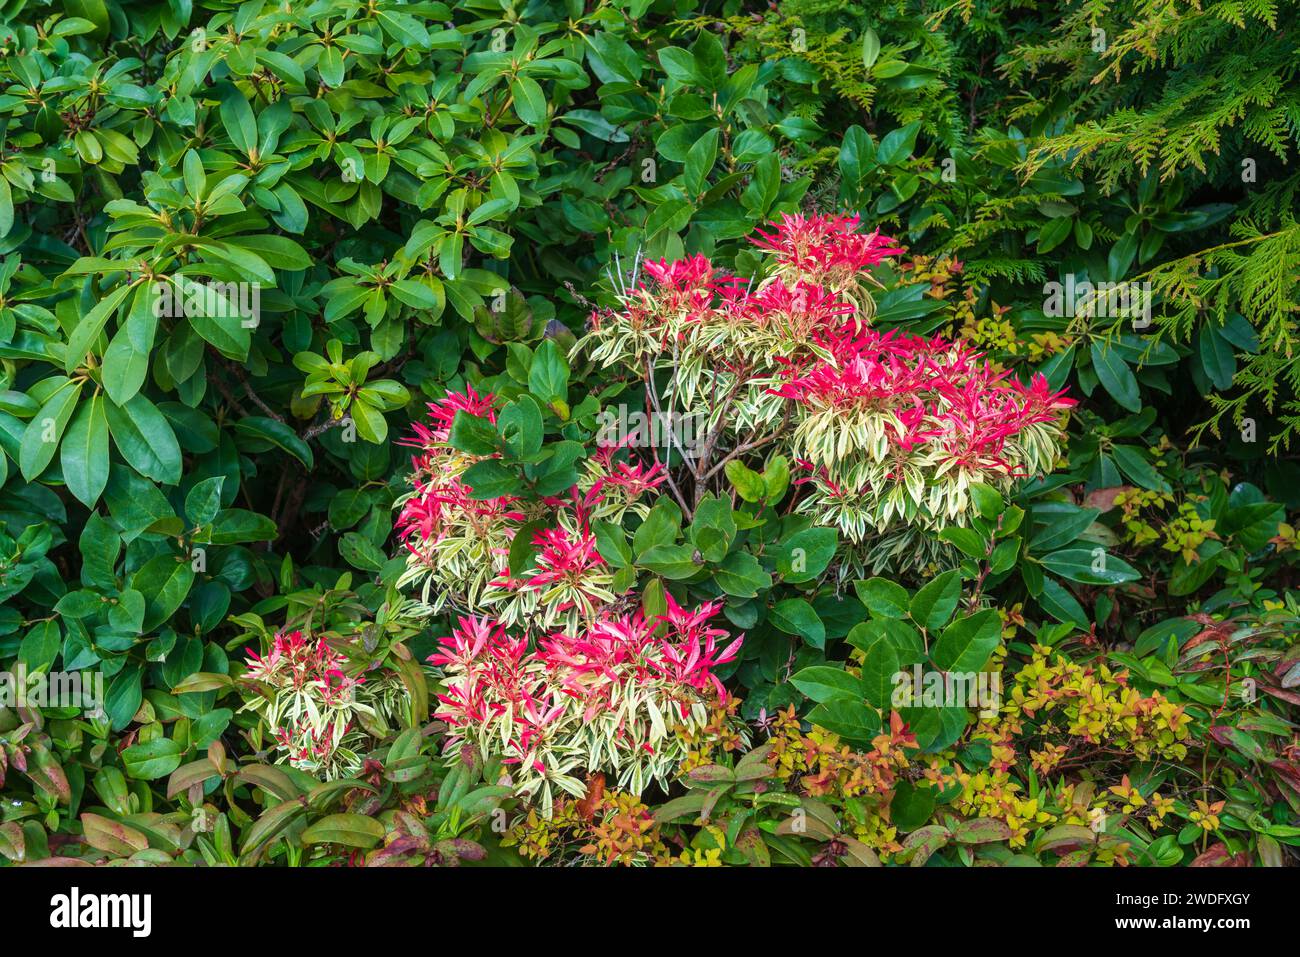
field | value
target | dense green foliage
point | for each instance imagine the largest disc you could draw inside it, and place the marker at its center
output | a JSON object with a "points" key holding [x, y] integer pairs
{"points": [[243, 246]]}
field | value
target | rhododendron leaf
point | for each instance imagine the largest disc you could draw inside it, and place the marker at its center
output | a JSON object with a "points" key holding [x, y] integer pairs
{"points": [[1056, 369], [934, 602], [473, 434], [1113, 373], [1060, 604], [870, 48], [520, 424], [699, 162], [1089, 566], [83, 455], [966, 644], [359, 552], [203, 500], [661, 527], [1121, 256], [548, 377], [1062, 523], [847, 718], [146, 439], [884, 598], [880, 670], [987, 500], [969, 541], [490, 479], [823, 683], [1054, 232], [42, 434], [450, 251], [795, 616], [747, 483], [258, 433], [741, 575], [1004, 556], [671, 216], [805, 555], [87, 332], [1133, 462], [671, 561], [896, 145]]}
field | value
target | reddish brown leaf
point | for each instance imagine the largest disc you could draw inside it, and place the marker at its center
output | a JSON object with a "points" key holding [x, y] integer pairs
{"points": [[595, 793], [1104, 498], [1219, 856]]}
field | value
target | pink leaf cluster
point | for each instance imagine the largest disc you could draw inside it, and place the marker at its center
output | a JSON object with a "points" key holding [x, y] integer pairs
{"points": [[814, 255], [440, 494], [299, 669], [294, 662], [941, 394], [820, 244], [570, 679]]}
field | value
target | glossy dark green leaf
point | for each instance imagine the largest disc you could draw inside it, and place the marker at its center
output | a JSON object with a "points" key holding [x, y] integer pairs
{"points": [[83, 455]]}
